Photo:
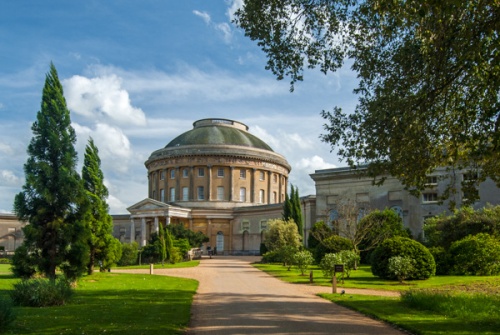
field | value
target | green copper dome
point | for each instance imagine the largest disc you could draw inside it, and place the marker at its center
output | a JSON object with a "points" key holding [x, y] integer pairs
{"points": [[218, 132]]}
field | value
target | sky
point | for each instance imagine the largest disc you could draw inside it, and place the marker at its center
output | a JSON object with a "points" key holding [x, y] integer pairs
{"points": [[136, 74]]}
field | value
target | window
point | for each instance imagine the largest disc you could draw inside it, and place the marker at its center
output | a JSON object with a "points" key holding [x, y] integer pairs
{"points": [[201, 193], [261, 196], [262, 175], [185, 193], [275, 197], [162, 195], [275, 178], [263, 225], [185, 173], [172, 194], [243, 194], [220, 172], [172, 174], [162, 175], [154, 194], [431, 180], [201, 172], [220, 192], [243, 174], [429, 197]]}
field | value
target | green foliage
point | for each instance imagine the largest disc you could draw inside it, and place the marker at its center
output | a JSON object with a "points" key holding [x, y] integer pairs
{"points": [[348, 258], [332, 244], [41, 292], [302, 260], [401, 267], [22, 264], [425, 265], [183, 247], [4, 261], [442, 259], [280, 234], [130, 253], [476, 255], [292, 209], [271, 257], [104, 249], [7, 315], [262, 249], [52, 191], [319, 232], [196, 239], [428, 94], [444, 230]]}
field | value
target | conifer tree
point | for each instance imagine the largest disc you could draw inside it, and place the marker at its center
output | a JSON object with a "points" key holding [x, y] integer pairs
{"points": [[98, 222], [52, 190], [297, 210]]}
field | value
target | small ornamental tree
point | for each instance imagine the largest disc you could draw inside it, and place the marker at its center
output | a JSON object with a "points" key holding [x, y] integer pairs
{"points": [[302, 260], [401, 267], [347, 258]]}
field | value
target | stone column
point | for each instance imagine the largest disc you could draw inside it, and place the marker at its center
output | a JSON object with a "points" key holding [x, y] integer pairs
{"points": [[143, 232], [167, 220], [209, 183], [269, 192], [252, 186], [280, 187], [231, 186], [132, 230], [191, 224], [191, 191], [178, 177], [155, 227]]}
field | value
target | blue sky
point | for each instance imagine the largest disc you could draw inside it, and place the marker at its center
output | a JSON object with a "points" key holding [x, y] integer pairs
{"points": [[138, 73]]}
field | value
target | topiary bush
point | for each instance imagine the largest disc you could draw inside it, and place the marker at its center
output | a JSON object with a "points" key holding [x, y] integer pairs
{"points": [[302, 260], [476, 255], [41, 292], [7, 315], [331, 245], [425, 265]]}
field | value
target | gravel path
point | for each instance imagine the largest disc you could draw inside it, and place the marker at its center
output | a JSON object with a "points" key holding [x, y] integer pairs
{"points": [[235, 298]]}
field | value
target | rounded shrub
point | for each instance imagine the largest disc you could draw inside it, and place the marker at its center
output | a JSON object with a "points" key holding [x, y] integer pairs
{"points": [[41, 293], [476, 255], [424, 264], [331, 245]]}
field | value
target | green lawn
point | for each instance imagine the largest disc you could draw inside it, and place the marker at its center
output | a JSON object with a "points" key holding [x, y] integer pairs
{"points": [[164, 266], [462, 305], [111, 303], [363, 278]]}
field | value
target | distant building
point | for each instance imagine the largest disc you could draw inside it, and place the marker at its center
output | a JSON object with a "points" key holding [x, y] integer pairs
{"points": [[338, 184]]}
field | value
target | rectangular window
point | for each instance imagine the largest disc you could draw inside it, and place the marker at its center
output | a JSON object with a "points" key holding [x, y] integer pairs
{"points": [[172, 194], [185, 173], [201, 193], [220, 172], [201, 172], [162, 175], [162, 195], [172, 174], [243, 194], [262, 175], [431, 180], [243, 174], [275, 178], [275, 197], [220, 192], [429, 197], [261, 196], [185, 193]]}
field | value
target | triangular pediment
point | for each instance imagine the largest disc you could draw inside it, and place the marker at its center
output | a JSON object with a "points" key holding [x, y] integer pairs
{"points": [[148, 204]]}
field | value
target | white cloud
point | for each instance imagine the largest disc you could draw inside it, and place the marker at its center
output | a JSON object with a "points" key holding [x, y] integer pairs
{"points": [[234, 6], [6, 149], [224, 28], [314, 163], [8, 177], [204, 15], [102, 98]]}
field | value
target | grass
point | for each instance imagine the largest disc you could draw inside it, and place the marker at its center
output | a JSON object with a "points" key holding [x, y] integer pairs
{"points": [[364, 279], [160, 266], [462, 305], [111, 303]]}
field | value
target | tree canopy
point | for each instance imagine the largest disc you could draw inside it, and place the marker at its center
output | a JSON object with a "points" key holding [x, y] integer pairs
{"points": [[429, 78], [52, 190]]}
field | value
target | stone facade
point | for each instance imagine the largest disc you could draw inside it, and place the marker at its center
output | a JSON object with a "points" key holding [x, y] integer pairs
{"points": [[340, 184]]}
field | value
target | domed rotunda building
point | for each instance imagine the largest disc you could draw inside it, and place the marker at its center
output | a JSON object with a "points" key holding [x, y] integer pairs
{"points": [[216, 178]]}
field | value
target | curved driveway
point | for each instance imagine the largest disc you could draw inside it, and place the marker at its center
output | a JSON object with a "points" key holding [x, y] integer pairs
{"points": [[235, 298]]}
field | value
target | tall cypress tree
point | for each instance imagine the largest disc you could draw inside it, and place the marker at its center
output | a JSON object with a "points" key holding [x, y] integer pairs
{"points": [[52, 190], [297, 210], [97, 220]]}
